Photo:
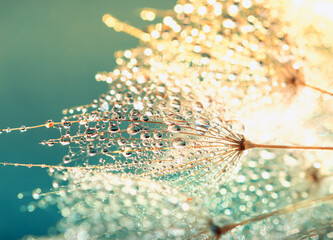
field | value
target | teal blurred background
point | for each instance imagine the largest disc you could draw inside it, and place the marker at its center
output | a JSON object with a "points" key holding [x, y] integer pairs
{"points": [[50, 51]]}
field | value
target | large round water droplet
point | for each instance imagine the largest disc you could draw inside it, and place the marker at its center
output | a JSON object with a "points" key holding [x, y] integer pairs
{"points": [[179, 143]]}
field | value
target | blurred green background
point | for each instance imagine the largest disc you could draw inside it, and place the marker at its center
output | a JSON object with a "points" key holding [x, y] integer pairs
{"points": [[50, 51]]}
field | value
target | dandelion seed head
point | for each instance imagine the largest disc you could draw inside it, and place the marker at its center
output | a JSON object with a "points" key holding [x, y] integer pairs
{"points": [[152, 130]]}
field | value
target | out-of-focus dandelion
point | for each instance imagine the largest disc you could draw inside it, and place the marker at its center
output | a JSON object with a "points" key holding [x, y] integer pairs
{"points": [[102, 205]]}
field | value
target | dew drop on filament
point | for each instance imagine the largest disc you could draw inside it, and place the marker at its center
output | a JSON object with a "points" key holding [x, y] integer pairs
{"points": [[179, 143]]}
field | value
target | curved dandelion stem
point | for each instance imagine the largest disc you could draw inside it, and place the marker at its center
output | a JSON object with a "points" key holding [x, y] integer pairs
{"points": [[290, 208]]}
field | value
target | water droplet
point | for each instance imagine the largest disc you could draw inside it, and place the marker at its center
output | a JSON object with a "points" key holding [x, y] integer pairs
{"points": [[198, 106], [20, 196], [67, 124], [179, 143], [187, 113], [202, 124], [31, 208], [145, 118], [102, 137], [36, 196], [105, 150], [91, 132], [127, 152], [105, 107], [134, 128], [23, 129], [175, 103], [92, 152], [158, 135], [174, 128], [135, 114], [145, 136], [50, 143], [49, 123], [150, 103], [159, 144], [121, 141], [66, 159], [65, 140], [113, 128], [116, 116], [161, 87], [134, 144]]}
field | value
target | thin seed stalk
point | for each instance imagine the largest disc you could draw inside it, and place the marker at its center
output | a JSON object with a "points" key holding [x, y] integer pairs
{"points": [[318, 89], [250, 145]]}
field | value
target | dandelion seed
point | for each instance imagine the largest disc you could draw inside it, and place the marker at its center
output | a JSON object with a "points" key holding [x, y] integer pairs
{"points": [[168, 137]]}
